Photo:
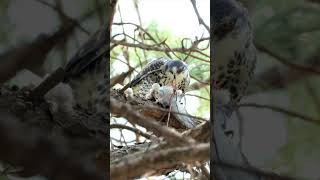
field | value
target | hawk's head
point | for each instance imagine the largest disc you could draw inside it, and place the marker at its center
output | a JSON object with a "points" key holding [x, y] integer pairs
{"points": [[176, 72], [228, 16]]}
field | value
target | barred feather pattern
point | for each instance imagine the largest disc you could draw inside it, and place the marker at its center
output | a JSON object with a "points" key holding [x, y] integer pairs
{"points": [[154, 72], [234, 55], [87, 73], [90, 89]]}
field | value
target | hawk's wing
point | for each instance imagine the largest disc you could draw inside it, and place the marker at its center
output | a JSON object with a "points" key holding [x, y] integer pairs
{"points": [[86, 72], [151, 67], [89, 55]]}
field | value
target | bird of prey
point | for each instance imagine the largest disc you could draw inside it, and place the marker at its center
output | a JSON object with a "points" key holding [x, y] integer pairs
{"points": [[161, 71], [87, 73], [166, 81], [234, 55]]}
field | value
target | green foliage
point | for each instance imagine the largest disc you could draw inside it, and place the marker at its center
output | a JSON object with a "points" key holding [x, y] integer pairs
{"points": [[286, 30], [291, 29]]}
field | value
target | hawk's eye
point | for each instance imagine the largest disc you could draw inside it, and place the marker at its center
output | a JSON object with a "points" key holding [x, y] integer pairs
{"points": [[166, 67], [180, 70]]}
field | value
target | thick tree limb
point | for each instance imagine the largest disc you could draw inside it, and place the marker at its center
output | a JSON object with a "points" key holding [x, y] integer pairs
{"points": [[146, 114], [56, 145], [150, 109], [133, 167], [32, 55], [38, 153], [128, 112]]}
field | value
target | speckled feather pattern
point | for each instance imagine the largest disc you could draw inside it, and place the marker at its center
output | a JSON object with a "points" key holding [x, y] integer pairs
{"points": [[90, 89], [86, 73], [152, 73], [235, 55]]}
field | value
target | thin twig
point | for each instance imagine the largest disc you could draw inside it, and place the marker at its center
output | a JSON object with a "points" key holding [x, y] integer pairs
{"points": [[174, 112], [155, 48], [282, 110], [200, 97], [286, 62], [313, 94], [135, 130], [64, 16], [201, 21]]}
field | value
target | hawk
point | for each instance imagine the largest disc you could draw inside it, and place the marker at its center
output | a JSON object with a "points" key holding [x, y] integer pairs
{"points": [[166, 81], [234, 55], [87, 73], [159, 73]]}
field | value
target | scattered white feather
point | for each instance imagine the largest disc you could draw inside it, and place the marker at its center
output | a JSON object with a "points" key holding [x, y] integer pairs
{"points": [[117, 86], [60, 97], [128, 93]]}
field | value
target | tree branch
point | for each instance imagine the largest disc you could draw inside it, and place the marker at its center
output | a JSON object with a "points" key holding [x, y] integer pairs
{"points": [[134, 166], [58, 145]]}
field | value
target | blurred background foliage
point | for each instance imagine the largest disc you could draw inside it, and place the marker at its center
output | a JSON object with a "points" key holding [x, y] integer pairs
{"points": [[289, 31], [23, 21]]}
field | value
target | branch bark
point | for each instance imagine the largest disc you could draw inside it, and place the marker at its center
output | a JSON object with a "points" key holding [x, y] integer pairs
{"points": [[57, 145], [134, 166]]}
